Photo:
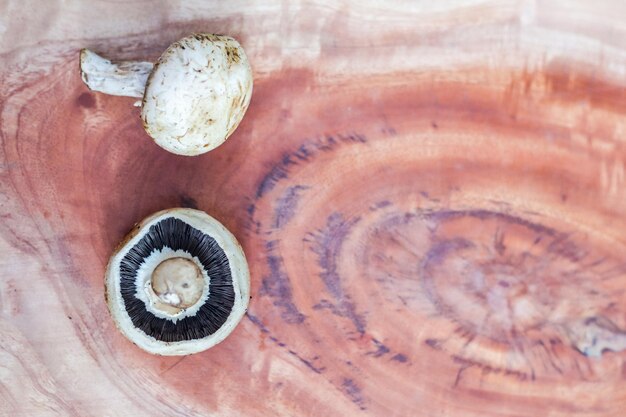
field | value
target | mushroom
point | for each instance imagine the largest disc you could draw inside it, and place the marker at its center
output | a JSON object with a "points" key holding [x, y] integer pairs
{"points": [[178, 283], [193, 97]]}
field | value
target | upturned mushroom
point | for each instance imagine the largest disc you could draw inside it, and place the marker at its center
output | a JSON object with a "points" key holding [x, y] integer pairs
{"points": [[193, 97], [178, 283]]}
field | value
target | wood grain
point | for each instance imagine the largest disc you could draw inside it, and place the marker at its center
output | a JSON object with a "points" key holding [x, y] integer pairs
{"points": [[430, 196]]}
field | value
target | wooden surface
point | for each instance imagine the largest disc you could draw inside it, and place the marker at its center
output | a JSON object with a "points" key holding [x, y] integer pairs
{"points": [[431, 197]]}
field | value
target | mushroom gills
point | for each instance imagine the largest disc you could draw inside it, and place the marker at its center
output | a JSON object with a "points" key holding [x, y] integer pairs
{"points": [[177, 235]]}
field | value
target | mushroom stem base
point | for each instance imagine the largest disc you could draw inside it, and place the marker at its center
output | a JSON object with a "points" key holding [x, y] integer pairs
{"points": [[176, 284]]}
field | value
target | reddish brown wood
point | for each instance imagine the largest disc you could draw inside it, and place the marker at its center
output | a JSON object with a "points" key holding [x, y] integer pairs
{"points": [[430, 198]]}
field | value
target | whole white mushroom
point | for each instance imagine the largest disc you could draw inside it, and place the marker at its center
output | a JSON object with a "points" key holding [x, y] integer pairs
{"points": [[193, 97]]}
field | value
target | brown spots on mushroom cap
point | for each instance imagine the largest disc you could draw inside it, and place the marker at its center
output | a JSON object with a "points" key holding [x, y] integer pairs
{"points": [[210, 37], [232, 54], [194, 97]]}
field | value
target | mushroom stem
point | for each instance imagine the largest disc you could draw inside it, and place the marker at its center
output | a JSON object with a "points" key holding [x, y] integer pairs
{"points": [[125, 78], [177, 284]]}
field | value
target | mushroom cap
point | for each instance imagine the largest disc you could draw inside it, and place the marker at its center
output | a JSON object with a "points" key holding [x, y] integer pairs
{"points": [[197, 94], [131, 309]]}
